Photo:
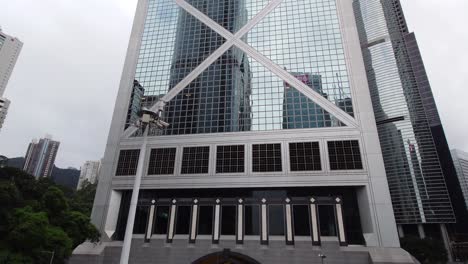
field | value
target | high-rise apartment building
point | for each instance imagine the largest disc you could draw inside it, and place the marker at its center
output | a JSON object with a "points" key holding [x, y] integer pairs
{"points": [[40, 157], [10, 48], [4, 104], [90, 172], [420, 171], [236, 177], [460, 160]]}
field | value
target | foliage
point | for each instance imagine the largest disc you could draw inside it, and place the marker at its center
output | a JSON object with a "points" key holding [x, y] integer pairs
{"points": [[54, 202], [427, 251], [83, 199], [40, 218]]}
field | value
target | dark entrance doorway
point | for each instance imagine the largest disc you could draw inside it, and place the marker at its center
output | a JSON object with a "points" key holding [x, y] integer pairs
{"points": [[225, 257], [327, 220]]}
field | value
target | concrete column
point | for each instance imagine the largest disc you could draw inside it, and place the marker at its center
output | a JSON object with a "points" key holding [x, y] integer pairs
{"points": [[401, 232], [264, 231], [446, 239], [289, 231], [240, 222], [170, 233], [149, 228], [340, 222], [113, 213], [315, 230], [421, 232], [193, 222], [216, 222]]}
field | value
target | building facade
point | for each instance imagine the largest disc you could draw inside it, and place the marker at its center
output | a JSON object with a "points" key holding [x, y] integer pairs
{"points": [[10, 49], [4, 104], [255, 159], [420, 171], [40, 157], [460, 160], [90, 172]]}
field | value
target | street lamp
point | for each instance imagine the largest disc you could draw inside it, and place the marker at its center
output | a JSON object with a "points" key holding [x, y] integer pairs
{"points": [[147, 118]]}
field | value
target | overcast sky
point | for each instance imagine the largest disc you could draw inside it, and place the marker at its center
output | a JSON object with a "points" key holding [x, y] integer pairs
{"points": [[67, 76]]}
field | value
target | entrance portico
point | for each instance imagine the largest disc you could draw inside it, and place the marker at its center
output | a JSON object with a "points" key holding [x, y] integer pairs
{"points": [[268, 215]]}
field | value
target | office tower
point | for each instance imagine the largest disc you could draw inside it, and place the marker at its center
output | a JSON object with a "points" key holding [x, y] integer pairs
{"points": [[40, 157], [4, 104], [135, 105], [422, 179], [90, 172], [298, 110], [10, 48], [232, 178], [460, 160]]}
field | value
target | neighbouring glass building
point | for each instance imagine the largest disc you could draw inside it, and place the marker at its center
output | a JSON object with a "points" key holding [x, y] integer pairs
{"points": [[272, 152], [423, 183]]}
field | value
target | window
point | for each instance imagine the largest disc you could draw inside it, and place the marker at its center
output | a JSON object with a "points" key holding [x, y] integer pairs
{"points": [[183, 220], [305, 156], [162, 161], [205, 220], [266, 158], [230, 159], [162, 220], [195, 160], [228, 220], [252, 220], [128, 162], [276, 220], [301, 220], [344, 155]]}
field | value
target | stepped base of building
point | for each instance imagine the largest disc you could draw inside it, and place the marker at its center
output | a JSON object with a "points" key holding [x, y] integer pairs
{"points": [[179, 251]]}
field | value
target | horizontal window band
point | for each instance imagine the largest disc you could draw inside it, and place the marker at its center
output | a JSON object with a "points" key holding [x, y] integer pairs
{"points": [[390, 120]]}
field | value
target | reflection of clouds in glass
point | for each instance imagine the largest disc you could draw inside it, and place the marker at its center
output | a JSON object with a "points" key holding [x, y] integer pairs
{"points": [[157, 47], [304, 36], [301, 36], [236, 93]]}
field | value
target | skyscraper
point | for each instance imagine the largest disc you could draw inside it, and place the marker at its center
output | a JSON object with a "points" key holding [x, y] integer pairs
{"points": [[298, 110], [40, 157], [4, 104], [460, 160], [89, 171], [10, 48], [421, 175], [231, 178]]}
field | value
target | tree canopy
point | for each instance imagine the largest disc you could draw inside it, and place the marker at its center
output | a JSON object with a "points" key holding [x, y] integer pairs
{"points": [[41, 219]]}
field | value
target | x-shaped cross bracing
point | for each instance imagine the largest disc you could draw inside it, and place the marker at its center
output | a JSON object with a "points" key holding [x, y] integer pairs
{"points": [[236, 40]]}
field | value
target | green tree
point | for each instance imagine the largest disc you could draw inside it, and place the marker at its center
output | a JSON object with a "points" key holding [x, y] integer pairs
{"points": [[9, 199], [54, 202], [427, 251], [79, 228], [38, 219], [57, 241], [83, 199], [27, 231]]}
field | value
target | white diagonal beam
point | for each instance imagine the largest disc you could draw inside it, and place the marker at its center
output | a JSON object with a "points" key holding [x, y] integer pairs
{"points": [[266, 62], [230, 39], [213, 57], [317, 98]]}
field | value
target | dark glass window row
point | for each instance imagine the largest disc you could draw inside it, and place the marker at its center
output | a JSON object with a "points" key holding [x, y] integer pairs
{"points": [[228, 220], [303, 156]]}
